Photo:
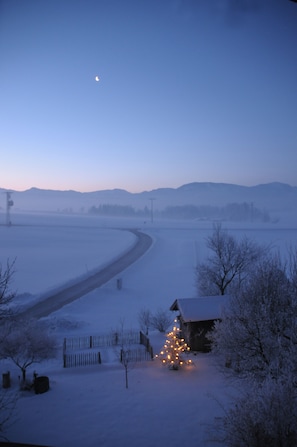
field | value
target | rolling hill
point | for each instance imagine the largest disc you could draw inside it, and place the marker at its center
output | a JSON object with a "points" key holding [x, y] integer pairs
{"points": [[275, 198]]}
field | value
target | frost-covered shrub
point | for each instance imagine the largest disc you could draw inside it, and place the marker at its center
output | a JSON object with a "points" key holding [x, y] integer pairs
{"points": [[258, 333], [264, 416], [257, 339]]}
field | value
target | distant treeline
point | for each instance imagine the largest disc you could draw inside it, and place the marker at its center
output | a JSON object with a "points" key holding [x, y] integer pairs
{"points": [[117, 210], [231, 212]]}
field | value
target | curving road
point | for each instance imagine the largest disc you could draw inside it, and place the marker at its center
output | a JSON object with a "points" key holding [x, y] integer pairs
{"points": [[59, 299]]}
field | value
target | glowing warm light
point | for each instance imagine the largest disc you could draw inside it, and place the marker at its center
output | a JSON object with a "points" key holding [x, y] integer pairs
{"points": [[173, 348]]}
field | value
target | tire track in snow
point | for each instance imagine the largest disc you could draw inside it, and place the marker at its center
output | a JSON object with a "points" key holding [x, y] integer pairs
{"points": [[65, 296]]}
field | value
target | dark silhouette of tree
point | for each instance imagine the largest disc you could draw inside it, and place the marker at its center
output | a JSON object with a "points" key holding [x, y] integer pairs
{"points": [[228, 264]]}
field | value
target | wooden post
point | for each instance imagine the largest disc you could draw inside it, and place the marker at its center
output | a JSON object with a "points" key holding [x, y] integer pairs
{"points": [[151, 352], [6, 380]]}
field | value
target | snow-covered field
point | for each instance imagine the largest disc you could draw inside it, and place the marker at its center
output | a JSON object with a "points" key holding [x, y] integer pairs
{"points": [[90, 406]]}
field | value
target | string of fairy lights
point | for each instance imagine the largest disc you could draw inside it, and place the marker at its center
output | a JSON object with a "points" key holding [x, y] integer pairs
{"points": [[173, 350]]}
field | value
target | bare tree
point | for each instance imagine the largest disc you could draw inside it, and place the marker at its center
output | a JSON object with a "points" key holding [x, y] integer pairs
{"points": [[26, 343], [161, 320], [6, 295], [229, 264], [126, 362], [123, 351], [144, 319]]}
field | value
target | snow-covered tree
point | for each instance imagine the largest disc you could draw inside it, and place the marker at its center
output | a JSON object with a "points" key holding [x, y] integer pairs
{"points": [[258, 333], [26, 343], [257, 339], [173, 349], [6, 295], [229, 263]]}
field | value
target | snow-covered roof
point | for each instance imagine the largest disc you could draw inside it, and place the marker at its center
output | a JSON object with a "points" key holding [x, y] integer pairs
{"points": [[202, 308]]}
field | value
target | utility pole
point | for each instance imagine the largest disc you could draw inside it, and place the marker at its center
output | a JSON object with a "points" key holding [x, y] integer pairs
{"points": [[9, 204], [152, 209], [252, 211]]}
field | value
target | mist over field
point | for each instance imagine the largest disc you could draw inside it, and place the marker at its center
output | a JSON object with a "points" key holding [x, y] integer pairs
{"points": [[276, 202]]}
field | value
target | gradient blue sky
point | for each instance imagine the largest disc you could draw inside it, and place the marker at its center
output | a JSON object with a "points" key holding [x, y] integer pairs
{"points": [[190, 90]]}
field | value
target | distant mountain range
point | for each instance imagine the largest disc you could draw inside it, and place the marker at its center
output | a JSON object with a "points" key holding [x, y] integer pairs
{"points": [[275, 198]]}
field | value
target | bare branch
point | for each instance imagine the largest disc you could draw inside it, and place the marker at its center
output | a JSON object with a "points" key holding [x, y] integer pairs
{"points": [[229, 263], [161, 320], [25, 343], [6, 296]]}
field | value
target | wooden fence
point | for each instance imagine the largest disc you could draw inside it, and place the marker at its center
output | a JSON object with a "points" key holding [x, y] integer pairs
{"points": [[144, 340], [81, 359], [135, 355], [123, 340], [105, 340]]}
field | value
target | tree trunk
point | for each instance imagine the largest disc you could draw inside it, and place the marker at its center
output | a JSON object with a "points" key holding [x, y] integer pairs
{"points": [[126, 375]]}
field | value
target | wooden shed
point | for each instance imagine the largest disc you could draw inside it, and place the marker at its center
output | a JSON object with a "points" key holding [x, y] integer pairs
{"points": [[196, 318]]}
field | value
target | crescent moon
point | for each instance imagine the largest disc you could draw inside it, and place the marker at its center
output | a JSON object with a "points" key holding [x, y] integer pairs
{"points": [[97, 79]]}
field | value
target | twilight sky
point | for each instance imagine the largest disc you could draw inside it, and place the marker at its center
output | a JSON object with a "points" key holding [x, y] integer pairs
{"points": [[189, 90]]}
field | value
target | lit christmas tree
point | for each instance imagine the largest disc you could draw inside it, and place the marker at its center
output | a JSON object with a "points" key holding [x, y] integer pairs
{"points": [[174, 347]]}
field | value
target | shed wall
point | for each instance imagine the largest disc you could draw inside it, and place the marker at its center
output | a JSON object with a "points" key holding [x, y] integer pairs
{"points": [[194, 334]]}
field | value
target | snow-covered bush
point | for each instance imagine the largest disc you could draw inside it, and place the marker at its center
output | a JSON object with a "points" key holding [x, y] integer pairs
{"points": [[263, 416], [257, 338], [258, 333]]}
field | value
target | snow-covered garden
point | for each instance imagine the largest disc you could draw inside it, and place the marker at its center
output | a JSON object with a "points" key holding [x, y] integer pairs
{"points": [[90, 405]]}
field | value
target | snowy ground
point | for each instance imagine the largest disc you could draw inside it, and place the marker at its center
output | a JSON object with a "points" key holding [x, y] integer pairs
{"points": [[90, 406]]}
